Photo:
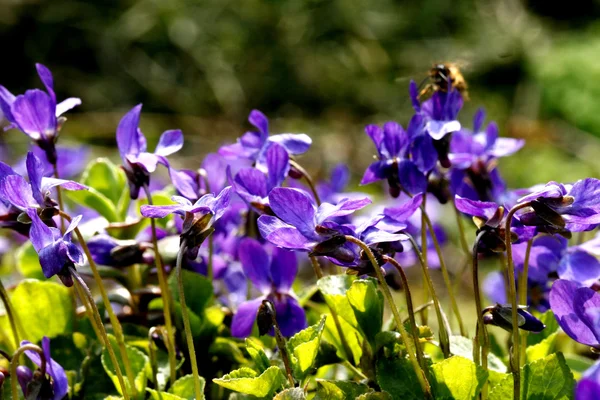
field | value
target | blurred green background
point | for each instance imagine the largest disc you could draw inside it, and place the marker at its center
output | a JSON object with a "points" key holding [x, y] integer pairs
{"points": [[324, 67]]}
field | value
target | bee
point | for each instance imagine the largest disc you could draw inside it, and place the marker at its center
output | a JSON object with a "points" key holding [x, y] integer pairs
{"points": [[443, 77]]}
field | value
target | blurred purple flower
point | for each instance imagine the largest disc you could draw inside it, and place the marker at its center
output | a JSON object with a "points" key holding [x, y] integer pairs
{"points": [[56, 251], [59, 382], [404, 157], [577, 310], [70, 161], [137, 162], [106, 250], [36, 113], [300, 225], [588, 386], [211, 177], [273, 275], [253, 145]]}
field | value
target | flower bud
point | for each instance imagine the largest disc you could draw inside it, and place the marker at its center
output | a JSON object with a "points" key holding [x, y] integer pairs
{"points": [[265, 317]]}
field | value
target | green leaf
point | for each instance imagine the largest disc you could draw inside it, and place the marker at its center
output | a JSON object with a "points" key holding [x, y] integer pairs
{"points": [[552, 326], [256, 352], [339, 390], [163, 368], [542, 349], [28, 262], [156, 395], [291, 394], [197, 288], [184, 387], [457, 377], [95, 200], [375, 396], [397, 377], [334, 288], [462, 346], [367, 302], [546, 379], [227, 349], [104, 176], [303, 348], [44, 308], [246, 381], [140, 366], [352, 335], [578, 364]]}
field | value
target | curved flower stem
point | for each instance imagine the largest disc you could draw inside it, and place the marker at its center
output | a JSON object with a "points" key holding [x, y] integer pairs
{"points": [[410, 347], [480, 333], [59, 197], [512, 288], [308, 179], [523, 285], [186, 322], [104, 338], [12, 317], [426, 292], [336, 319], [445, 274], [166, 295], [14, 363], [444, 337], [90, 314], [118, 330], [461, 230], [411, 312]]}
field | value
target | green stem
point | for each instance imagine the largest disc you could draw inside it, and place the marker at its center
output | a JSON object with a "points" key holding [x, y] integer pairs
{"points": [[118, 330], [512, 287], [90, 314], [186, 322], [166, 295], [334, 315], [209, 264], [445, 274], [61, 205], [523, 280], [104, 338], [461, 230], [411, 311], [424, 249], [308, 179], [280, 342], [14, 363], [478, 304], [9, 312], [444, 338], [410, 346]]}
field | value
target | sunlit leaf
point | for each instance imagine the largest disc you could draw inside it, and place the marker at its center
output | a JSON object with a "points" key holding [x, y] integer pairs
{"points": [[458, 378], [303, 348], [247, 381], [140, 366]]}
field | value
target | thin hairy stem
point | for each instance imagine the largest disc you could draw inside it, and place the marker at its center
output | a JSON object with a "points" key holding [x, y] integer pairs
{"points": [[426, 292], [118, 330], [309, 180], [186, 322], [512, 288], [90, 314], [166, 295], [410, 346], [319, 273], [445, 274], [523, 285], [280, 342], [481, 340], [104, 337], [411, 311], [12, 317], [14, 363], [444, 337], [461, 230]]}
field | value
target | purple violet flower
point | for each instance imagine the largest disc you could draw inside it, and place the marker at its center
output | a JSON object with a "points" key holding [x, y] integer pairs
{"points": [[253, 186], [440, 113], [273, 275], [59, 383], [70, 161], [299, 225], [15, 190], [198, 218], [137, 162], [577, 310], [36, 113], [253, 145], [56, 251], [211, 177], [404, 157], [106, 250], [558, 207], [588, 386]]}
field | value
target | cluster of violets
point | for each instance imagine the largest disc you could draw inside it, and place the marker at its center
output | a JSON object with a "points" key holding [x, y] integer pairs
{"points": [[263, 222]]}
